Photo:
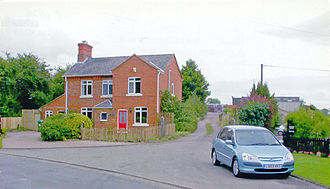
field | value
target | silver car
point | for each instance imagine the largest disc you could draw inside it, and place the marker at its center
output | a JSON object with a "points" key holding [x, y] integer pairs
{"points": [[251, 149]]}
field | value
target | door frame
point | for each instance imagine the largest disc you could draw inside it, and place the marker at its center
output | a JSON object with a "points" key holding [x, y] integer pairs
{"points": [[118, 117]]}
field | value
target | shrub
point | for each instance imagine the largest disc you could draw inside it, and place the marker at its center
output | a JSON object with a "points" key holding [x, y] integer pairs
{"points": [[186, 115], [61, 127], [254, 113], [309, 123], [53, 129], [75, 121]]}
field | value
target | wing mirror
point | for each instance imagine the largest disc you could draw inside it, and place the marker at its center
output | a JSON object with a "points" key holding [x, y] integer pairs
{"points": [[230, 142]]}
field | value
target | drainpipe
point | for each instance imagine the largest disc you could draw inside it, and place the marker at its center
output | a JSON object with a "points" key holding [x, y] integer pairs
{"points": [[66, 95], [158, 91]]}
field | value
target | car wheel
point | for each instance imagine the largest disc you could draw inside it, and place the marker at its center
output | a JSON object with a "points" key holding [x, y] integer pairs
{"points": [[235, 168], [214, 158]]}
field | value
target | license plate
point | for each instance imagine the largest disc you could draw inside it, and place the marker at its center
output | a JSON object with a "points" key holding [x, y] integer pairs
{"points": [[273, 166]]}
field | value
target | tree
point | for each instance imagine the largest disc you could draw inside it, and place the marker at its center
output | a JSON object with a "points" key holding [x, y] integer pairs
{"points": [[57, 82], [255, 111], [24, 83], [193, 82], [212, 101], [252, 110]]}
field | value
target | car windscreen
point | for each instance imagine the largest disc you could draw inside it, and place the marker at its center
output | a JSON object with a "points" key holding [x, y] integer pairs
{"points": [[255, 137]]}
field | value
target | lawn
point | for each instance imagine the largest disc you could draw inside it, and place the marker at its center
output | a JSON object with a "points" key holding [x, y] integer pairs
{"points": [[313, 168], [209, 129]]}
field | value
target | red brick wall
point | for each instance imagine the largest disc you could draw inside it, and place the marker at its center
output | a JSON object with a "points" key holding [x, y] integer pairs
{"points": [[175, 78], [112, 118], [56, 105], [76, 102], [148, 99]]}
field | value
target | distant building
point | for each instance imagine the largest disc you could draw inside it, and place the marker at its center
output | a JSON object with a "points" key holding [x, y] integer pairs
{"points": [[215, 107]]}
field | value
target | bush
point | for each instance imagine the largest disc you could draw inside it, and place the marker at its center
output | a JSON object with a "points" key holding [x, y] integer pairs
{"points": [[61, 127], [309, 123], [53, 129], [254, 113], [186, 115], [75, 121]]}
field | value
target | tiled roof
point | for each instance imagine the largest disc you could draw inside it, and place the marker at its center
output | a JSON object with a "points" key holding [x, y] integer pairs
{"points": [[105, 66], [105, 104]]}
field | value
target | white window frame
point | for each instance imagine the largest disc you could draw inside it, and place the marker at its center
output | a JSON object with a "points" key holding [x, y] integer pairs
{"points": [[172, 90], [107, 82], [140, 110], [106, 116], [134, 80], [48, 113], [86, 110], [86, 83]]}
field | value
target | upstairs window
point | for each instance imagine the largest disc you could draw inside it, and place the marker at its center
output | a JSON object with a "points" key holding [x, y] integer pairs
{"points": [[87, 112], [86, 88], [106, 87], [172, 89], [134, 85]]}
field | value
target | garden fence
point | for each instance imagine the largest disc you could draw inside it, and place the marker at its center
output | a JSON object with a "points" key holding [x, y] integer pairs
{"points": [[132, 134], [305, 144]]}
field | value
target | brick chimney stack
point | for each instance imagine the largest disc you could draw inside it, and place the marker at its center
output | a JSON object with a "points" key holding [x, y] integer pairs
{"points": [[84, 51]]}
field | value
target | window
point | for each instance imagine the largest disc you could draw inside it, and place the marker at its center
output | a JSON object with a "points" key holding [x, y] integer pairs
{"points": [[104, 116], [141, 116], [172, 89], [86, 88], [87, 112], [106, 87], [222, 134], [48, 113], [134, 85], [61, 112]]}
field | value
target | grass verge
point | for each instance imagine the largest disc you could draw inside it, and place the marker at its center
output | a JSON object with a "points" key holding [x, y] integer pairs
{"points": [[313, 168], [209, 129], [174, 136], [1, 137]]}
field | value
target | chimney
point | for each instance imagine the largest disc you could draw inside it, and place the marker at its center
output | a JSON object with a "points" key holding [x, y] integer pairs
{"points": [[84, 51]]}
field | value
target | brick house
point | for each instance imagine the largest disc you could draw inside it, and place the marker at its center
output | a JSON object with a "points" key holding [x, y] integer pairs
{"points": [[122, 92]]}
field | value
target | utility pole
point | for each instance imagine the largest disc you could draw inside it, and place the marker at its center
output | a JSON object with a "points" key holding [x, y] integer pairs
{"points": [[262, 74]]}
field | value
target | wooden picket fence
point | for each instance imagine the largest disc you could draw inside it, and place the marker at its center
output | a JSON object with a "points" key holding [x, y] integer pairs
{"points": [[132, 134]]}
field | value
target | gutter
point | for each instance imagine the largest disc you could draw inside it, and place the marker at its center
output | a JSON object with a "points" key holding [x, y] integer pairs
{"points": [[158, 91]]}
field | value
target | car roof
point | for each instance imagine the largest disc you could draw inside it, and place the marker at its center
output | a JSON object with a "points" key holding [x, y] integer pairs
{"points": [[245, 127]]}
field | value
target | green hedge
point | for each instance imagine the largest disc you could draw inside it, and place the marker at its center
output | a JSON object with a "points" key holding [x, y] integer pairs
{"points": [[187, 114], [62, 127]]}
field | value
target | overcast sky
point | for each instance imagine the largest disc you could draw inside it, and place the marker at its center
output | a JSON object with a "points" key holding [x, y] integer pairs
{"points": [[228, 39]]}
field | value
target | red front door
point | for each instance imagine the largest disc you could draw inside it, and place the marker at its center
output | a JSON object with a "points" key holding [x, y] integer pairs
{"points": [[122, 122]]}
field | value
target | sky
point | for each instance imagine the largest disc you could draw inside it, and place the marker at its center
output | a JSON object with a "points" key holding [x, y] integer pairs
{"points": [[228, 39]]}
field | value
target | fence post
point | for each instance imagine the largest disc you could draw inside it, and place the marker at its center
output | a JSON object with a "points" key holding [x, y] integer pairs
{"points": [[162, 127]]}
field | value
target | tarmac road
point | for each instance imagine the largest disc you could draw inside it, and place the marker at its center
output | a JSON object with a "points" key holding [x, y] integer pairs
{"points": [[181, 163]]}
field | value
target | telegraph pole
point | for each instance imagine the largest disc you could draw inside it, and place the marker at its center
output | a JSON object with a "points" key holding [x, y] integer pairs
{"points": [[262, 74]]}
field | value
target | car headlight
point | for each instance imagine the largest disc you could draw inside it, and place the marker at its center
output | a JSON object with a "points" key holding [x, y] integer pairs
{"points": [[288, 157], [248, 157]]}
